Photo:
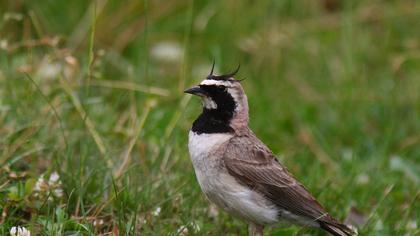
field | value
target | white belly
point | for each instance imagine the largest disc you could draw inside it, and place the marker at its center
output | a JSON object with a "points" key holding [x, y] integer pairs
{"points": [[220, 187]]}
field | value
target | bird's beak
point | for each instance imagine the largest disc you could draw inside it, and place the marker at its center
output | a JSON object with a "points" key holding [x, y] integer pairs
{"points": [[196, 90]]}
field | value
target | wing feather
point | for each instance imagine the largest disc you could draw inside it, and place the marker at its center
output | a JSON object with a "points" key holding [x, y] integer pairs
{"points": [[253, 164]]}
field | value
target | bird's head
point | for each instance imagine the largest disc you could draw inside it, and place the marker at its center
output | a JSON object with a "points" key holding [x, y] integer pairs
{"points": [[224, 98]]}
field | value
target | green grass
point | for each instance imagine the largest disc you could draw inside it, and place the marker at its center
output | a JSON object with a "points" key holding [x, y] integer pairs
{"points": [[334, 92]]}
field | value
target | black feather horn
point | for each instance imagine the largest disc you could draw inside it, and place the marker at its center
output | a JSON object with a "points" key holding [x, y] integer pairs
{"points": [[223, 77], [234, 72], [212, 68]]}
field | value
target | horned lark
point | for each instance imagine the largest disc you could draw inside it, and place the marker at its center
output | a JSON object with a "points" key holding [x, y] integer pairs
{"points": [[238, 173]]}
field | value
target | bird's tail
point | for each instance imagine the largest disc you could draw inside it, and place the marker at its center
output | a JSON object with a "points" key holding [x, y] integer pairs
{"points": [[337, 229]]}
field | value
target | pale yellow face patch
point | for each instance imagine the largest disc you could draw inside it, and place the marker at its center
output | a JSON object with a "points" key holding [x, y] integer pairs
{"points": [[209, 103]]}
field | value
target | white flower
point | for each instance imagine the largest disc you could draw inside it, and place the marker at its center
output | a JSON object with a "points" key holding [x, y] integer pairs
{"points": [[54, 177], [183, 229], [52, 188], [98, 222], [58, 192], [195, 226], [157, 211], [19, 231], [40, 184]]}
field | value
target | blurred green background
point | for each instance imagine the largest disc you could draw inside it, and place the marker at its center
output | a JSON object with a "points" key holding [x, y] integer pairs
{"points": [[93, 121]]}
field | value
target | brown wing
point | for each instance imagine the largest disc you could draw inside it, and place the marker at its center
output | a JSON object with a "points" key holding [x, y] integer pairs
{"points": [[255, 165]]}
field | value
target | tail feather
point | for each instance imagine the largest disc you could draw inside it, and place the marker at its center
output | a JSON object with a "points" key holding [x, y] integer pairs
{"points": [[337, 229]]}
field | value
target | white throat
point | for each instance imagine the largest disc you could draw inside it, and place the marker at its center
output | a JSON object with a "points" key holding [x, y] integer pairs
{"points": [[200, 145]]}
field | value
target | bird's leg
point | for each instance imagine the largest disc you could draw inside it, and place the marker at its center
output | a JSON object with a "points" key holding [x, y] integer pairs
{"points": [[255, 230]]}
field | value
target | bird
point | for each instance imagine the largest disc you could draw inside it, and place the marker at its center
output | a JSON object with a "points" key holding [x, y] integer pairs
{"points": [[239, 173]]}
